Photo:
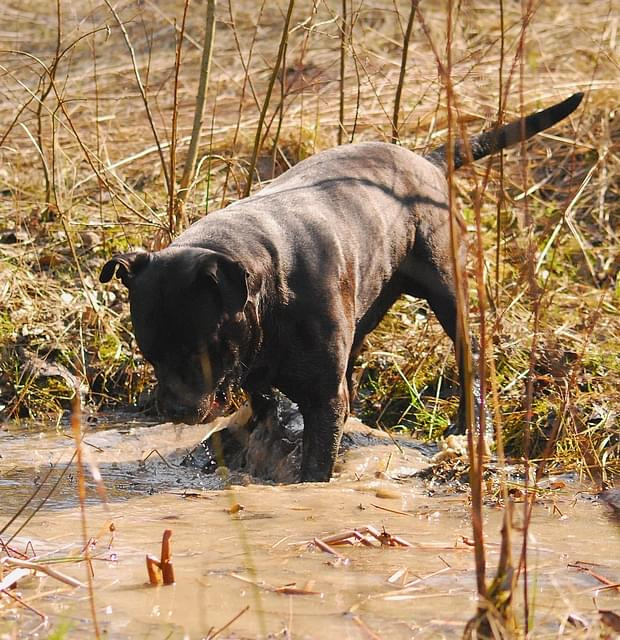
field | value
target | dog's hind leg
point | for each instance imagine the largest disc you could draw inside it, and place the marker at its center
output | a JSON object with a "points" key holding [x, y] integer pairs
{"points": [[445, 309]]}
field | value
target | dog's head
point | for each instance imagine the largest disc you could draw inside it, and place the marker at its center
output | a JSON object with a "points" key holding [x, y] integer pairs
{"points": [[187, 311]]}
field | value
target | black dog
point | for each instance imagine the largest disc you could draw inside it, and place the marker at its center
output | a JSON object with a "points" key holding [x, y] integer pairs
{"points": [[280, 289]]}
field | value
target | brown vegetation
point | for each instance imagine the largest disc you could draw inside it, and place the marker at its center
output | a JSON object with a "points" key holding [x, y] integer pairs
{"points": [[94, 120]]}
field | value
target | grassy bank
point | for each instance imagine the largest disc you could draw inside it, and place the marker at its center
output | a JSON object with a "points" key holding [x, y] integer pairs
{"points": [[95, 122]]}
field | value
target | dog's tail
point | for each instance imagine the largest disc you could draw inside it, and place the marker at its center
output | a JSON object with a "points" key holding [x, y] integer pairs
{"points": [[494, 140]]}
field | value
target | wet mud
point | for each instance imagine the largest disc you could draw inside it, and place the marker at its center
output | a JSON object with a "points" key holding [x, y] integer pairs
{"points": [[246, 559]]}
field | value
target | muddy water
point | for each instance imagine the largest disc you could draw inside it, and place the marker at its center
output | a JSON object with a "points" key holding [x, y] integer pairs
{"points": [[241, 547]]}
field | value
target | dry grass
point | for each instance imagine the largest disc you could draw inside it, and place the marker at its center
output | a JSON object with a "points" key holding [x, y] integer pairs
{"points": [[81, 177]]}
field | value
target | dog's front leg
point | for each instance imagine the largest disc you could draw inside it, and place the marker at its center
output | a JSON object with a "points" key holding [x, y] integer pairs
{"points": [[323, 424]]}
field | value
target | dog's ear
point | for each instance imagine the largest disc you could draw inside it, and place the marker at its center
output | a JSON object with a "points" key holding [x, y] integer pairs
{"points": [[126, 266], [231, 279]]}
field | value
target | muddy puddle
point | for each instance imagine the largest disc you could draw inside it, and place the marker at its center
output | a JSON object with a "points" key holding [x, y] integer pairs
{"points": [[244, 558]]}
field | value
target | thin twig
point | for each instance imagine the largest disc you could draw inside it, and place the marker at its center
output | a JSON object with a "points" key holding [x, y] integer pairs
{"points": [[142, 90], [403, 68], [343, 49], [263, 113], [201, 96], [42, 568], [247, 81], [174, 216], [76, 427], [43, 501], [26, 605]]}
